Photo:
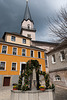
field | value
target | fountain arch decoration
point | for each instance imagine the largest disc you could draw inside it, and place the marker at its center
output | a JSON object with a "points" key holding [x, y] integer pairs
{"points": [[32, 64]]}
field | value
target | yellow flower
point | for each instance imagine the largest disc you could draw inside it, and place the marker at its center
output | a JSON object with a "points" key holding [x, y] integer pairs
{"points": [[41, 87], [14, 86]]}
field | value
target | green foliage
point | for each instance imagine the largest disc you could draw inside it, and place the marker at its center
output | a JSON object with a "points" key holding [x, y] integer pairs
{"points": [[25, 87], [31, 64], [53, 86], [46, 77], [15, 86], [47, 82], [20, 82]]}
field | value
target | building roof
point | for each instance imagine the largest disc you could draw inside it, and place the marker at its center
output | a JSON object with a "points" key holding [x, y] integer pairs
{"points": [[59, 69], [15, 34], [1, 39], [26, 29], [27, 15], [47, 43], [61, 46], [19, 45]]}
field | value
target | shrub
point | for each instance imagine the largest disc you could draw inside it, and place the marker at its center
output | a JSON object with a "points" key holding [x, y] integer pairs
{"points": [[53, 86]]}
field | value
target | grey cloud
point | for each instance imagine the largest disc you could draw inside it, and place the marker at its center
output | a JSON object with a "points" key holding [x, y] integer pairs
{"points": [[12, 12]]}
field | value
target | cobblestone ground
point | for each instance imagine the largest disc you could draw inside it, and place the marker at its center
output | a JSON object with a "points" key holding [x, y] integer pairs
{"points": [[60, 93], [5, 93]]}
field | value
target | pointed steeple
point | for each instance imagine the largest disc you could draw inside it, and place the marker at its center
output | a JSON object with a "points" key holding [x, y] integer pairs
{"points": [[27, 14]]}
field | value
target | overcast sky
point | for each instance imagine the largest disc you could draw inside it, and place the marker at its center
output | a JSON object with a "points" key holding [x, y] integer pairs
{"points": [[12, 12]]}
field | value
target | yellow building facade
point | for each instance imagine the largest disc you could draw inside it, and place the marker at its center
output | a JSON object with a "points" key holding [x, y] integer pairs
{"points": [[18, 59], [8, 58], [16, 50]]}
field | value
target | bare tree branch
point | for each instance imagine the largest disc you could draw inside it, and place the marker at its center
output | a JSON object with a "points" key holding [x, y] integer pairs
{"points": [[58, 26]]}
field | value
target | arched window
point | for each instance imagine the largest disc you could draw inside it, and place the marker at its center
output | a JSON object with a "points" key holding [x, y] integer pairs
{"points": [[28, 26], [57, 78]]}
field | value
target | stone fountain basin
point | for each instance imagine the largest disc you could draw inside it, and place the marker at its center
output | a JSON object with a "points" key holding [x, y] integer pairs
{"points": [[32, 95]]}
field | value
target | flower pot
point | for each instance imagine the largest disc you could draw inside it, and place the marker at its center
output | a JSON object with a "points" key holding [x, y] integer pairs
{"points": [[42, 89], [14, 88]]}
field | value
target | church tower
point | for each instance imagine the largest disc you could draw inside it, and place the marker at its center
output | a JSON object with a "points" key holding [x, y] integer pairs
{"points": [[27, 26]]}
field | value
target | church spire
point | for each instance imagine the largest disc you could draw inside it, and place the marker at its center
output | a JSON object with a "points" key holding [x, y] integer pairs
{"points": [[27, 14], [26, 0]]}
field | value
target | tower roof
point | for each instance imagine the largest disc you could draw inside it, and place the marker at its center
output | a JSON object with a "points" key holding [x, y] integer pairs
{"points": [[27, 14]]}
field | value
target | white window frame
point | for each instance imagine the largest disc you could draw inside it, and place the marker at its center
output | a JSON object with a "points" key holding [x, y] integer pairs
{"points": [[25, 52], [53, 62], [5, 65], [46, 65], [16, 66], [16, 51], [28, 26], [40, 54], [56, 78], [6, 49], [61, 58], [30, 53], [41, 67], [13, 40], [21, 66], [22, 41]]}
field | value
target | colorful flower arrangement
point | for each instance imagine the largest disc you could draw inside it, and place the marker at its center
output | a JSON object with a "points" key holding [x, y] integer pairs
{"points": [[31, 64], [41, 87], [15, 87]]}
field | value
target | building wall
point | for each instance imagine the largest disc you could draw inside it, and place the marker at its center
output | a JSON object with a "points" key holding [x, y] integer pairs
{"points": [[59, 64], [30, 33], [47, 47], [13, 79], [25, 23], [43, 46], [25, 26], [1, 80], [63, 76], [18, 40], [9, 58], [58, 68]]}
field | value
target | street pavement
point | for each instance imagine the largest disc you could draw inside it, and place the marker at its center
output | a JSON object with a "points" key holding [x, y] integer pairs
{"points": [[60, 93], [5, 93]]}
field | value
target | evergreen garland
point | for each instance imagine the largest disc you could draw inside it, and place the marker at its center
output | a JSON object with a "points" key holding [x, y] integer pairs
{"points": [[31, 64]]}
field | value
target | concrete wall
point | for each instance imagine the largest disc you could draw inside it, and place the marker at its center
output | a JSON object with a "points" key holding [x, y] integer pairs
{"points": [[58, 64], [13, 79], [1, 80], [63, 76], [18, 95], [58, 68]]}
